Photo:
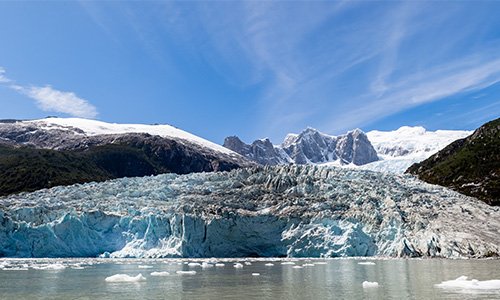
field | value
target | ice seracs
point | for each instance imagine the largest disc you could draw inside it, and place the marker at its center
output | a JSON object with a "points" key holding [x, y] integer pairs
{"points": [[279, 211]]}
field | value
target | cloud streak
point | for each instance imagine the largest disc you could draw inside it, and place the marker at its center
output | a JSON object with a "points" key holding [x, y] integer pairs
{"points": [[52, 100]]}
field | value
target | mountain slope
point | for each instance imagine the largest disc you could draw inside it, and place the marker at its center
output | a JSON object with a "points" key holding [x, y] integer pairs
{"points": [[294, 211], [470, 166], [70, 154], [401, 148], [310, 146]]}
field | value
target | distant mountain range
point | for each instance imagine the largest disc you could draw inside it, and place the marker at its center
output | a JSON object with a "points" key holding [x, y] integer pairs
{"points": [[60, 151], [470, 165], [390, 151]]}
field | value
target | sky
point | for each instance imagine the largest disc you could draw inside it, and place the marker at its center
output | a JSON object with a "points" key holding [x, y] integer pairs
{"points": [[253, 68]]}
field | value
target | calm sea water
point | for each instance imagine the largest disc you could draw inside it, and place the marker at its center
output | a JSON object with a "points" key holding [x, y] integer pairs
{"points": [[334, 279]]}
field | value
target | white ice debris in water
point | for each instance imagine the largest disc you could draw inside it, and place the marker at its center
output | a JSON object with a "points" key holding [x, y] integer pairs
{"points": [[269, 265], [194, 264], [145, 267], [308, 265], [238, 266], [321, 263], [54, 267], [288, 263], [366, 263], [125, 278], [462, 284], [160, 273], [255, 274], [247, 263], [368, 284], [205, 265], [186, 272], [219, 265], [297, 267]]}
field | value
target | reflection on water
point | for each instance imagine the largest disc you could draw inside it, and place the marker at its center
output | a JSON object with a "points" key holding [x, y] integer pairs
{"points": [[337, 279]]}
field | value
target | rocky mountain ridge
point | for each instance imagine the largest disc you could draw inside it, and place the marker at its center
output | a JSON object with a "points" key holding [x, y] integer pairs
{"points": [[310, 146]]}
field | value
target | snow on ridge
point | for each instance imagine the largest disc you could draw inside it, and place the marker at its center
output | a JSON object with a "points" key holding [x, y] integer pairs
{"points": [[412, 141], [95, 127]]}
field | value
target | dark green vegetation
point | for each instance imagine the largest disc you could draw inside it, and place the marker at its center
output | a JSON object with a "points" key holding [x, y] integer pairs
{"points": [[24, 169], [470, 166]]}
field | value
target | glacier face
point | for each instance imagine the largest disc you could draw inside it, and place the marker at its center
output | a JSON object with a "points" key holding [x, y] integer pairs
{"points": [[294, 211]]}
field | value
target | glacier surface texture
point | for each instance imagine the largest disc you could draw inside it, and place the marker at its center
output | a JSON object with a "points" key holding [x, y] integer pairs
{"points": [[292, 211]]}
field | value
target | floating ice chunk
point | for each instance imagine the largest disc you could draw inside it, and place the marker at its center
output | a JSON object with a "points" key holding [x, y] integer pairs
{"points": [[186, 272], [15, 269], [206, 265], [366, 263], [247, 263], [77, 268], [160, 273], [219, 265], [269, 265], [125, 278], [145, 267], [255, 274], [308, 265], [194, 264], [288, 263], [321, 263], [369, 285], [54, 267], [238, 266], [463, 285], [298, 267]]}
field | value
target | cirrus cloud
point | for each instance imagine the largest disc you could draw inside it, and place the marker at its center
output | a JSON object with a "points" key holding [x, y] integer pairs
{"points": [[52, 100]]}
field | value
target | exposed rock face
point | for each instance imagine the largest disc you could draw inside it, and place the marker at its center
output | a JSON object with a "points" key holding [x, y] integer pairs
{"points": [[310, 146], [260, 151], [470, 165], [294, 211], [34, 157]]}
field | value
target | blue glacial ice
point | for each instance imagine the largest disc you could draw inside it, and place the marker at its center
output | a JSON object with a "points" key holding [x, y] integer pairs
{"points": [[284, 211]]}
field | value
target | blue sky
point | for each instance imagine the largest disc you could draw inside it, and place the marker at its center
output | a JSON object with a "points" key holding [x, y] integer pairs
{"points": [[254, 69]]}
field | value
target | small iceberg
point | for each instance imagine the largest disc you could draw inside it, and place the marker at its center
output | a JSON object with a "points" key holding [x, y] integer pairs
{"points": [[462, 284], [53, 267], [219, 265], [297, 267], [288, 263], [206, 265], [255, 274], [369, 285], [269, 265], [145, 267], [125, 278], [238, 266], [160, 273], [194, 264], [186, 272], [366, 263]]}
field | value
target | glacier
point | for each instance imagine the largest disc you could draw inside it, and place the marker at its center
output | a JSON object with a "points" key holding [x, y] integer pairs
{"points": [[271, 211]]}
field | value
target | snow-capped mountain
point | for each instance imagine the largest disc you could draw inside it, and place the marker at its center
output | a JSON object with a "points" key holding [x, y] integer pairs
{"points": [[292, 210], [309, 147], [386, 151], [401, 148], [59, 151]]}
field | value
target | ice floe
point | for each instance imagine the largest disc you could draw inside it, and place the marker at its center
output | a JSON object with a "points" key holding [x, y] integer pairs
{"points": [[366, 263], [186, 272], [369, 284], [160, 273], [125, 278], [464, 285]]}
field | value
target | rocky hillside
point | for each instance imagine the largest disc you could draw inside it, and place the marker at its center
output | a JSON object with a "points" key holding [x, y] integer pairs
{"points": [[470, 165], [310, 146], [293, 211], [41, 154]]}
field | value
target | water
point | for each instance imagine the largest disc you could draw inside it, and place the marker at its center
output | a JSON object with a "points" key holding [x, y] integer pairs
{"points": [[335, 279]]}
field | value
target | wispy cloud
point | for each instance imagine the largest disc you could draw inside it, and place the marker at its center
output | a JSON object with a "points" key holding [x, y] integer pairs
{"points": [[52, 100]]}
